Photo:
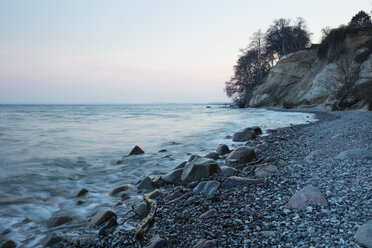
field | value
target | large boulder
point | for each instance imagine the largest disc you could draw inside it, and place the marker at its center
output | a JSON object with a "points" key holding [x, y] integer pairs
{"points": [[222, 149], [207, 187], [355, 154], [197, 168], [101, 217], [173, 176], [136, 150], [241, 155], [307, 196], [364, 235], [244, 135]]}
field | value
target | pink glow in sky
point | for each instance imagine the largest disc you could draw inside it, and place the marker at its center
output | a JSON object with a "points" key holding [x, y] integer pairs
{"points": [[92, 51]]}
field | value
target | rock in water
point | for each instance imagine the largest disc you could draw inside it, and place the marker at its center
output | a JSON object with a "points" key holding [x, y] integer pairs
{"points": [[212, 155], [173, 176], [308, 195], [266, 170], [146, 184], [101, 217], [257, 130], [121, 188], [8, 244], [82, 192], [355, 154], [364, 235], [136, 150], [197, 168], [207, 187], [52, 239], [181, 165], [241, 155], [58, 219], [244, 135], [108, 227], [222, 149], [156, 242]]}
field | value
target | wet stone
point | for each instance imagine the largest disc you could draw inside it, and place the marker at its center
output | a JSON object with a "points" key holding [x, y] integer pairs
{"points": [[101, 217], [52, 239], [154, 194], [82, 192], [136, 151], [207, 187], [141, 210], [222, 149], [120, 189], [8, 244], [228, 171]]}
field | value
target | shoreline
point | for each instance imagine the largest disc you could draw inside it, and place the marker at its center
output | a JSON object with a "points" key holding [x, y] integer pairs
{"points": [[261, 223]]}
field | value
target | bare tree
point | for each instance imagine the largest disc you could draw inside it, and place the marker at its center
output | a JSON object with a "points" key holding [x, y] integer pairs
{"points": [[282, 38]]}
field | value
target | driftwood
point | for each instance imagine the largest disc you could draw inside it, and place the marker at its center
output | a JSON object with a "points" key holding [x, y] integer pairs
{"points": [[251, 172], [251, 163], [141, 227]]}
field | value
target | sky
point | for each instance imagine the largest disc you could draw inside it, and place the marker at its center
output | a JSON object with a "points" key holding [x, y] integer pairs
{"points": [[138, 51]]}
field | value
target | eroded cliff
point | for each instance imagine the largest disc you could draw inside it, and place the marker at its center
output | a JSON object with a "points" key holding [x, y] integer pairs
{"points": [[339, 80]]}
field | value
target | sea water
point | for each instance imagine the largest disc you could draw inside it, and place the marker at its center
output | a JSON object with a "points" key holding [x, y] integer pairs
{"points": [[49, 152]]}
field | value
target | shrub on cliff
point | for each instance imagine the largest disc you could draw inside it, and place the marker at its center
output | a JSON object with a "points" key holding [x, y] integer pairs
{"points": [[332, 45]]}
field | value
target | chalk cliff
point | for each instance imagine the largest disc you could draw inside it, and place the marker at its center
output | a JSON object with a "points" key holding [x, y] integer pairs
{"points": [[338, 81]]}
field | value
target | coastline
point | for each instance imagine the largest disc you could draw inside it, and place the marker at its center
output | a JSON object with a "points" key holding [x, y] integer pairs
{"points": [[255, 215]]}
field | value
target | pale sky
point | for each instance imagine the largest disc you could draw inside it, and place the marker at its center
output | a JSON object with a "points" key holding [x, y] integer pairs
{"points": [[138, 51]]}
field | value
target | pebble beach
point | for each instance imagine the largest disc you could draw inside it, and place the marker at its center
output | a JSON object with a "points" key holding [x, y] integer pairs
{"points": [[306, 186]]}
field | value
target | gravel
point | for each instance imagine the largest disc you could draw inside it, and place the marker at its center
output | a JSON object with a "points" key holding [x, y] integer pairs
{"points": [[254, 215]]}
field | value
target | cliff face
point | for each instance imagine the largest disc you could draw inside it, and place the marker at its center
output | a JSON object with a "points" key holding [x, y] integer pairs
{"points": [[303, 79]]}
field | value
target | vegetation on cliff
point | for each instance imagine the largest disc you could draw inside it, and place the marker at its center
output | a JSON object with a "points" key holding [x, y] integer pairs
{"points": [[282, 37], [264, 50]]}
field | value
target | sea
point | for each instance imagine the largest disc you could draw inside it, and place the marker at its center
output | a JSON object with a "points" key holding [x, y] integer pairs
{"points": [[49, 152]]}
